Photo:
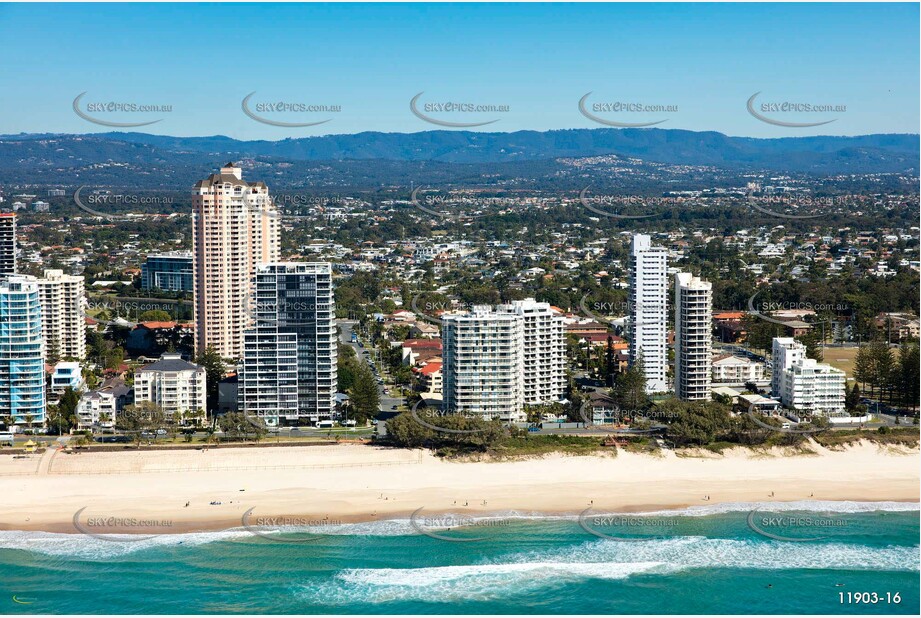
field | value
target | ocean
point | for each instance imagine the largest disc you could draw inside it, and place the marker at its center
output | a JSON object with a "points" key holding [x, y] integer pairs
{"points": [[770, 558]]}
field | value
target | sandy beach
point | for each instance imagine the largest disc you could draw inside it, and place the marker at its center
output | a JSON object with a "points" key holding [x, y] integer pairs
{"points": [[190, 490]]}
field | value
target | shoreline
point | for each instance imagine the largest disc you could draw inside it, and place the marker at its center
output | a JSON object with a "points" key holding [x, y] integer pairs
{"points": [[351, 484]]}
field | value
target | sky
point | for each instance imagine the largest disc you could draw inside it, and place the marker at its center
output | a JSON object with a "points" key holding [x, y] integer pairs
{"points": [[533, 63]]}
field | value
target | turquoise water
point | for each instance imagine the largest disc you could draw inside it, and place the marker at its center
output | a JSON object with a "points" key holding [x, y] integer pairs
{"points": [[702, 560]]}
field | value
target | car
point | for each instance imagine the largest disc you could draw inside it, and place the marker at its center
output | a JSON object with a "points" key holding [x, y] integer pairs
{"points": [[533, 429], [295, 429], [113, 439], [161, 432]]}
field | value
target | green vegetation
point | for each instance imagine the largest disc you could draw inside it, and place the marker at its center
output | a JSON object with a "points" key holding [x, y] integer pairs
{"points": [[364, 398], [214, 373], [897, 436]]}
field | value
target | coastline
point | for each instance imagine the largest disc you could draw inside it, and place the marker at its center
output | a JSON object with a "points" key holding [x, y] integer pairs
{"points": [[351, 484]]}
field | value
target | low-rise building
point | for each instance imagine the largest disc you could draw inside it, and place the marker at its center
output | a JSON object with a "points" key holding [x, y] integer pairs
{"points": [[97, 409], [731, 369], [67, 375]]}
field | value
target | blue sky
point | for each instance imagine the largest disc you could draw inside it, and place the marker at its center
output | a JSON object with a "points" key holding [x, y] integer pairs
{"points": [[539, 60]]}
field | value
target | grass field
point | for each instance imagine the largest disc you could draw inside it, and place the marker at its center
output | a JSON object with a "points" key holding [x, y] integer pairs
{"points": [[842, 358]]}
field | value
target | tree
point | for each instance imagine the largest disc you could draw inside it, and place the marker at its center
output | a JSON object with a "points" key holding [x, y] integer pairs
{"points": [[467, 433], [144, 417], [67, 406], [364, 397], [852, 399], [813, 344], [863, 366], [909, 377], [696, 423], [239, 426], [407, 432], [155, 315], [630, 388], [214, 373]]}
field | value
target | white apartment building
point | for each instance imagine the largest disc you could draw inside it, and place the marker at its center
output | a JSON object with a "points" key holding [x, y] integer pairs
{"points": [[805, 384], [484, 363], [63, 299], [737, 370], [66, 375], [288, 373], [97, 408], [785, 351], [173, 384], [544, 351], [693, 337], [234, 227], [814, 387], [647, 329]]}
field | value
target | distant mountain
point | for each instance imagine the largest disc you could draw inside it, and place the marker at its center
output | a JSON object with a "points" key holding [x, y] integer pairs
{"points": [[24, 157]]}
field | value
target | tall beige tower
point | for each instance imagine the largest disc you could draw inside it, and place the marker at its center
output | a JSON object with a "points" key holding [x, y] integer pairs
{"points": [[63, 300], [235, 227]]}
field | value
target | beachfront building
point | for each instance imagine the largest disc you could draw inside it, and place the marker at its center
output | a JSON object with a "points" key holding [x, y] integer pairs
{"points": [[22, 352], [288, 372], [97, 409], [7, 244], [785, 352], [63, 299], [544, 350], [174, 385], [483, 364], [693, 337], [234, 227], [804, 384], [647, 330], [170, 271]]}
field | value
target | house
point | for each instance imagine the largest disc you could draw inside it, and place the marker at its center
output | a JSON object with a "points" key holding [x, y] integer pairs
{"points": [[416, 352]]}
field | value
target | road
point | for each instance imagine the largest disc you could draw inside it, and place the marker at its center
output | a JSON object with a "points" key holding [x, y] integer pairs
{"points": [[388, 403]]}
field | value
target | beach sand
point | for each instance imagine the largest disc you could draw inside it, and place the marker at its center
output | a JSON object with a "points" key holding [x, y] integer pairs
{"points": [[350, 483]]}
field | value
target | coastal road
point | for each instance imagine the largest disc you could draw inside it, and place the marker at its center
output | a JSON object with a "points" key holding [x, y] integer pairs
{"points": [[388, 403]]}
